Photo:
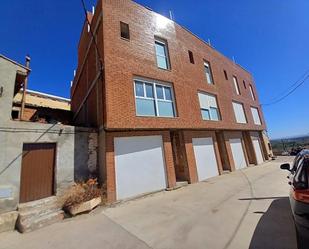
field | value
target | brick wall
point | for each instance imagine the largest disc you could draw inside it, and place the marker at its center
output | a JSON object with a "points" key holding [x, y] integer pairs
{"points": [[126, 59], [249, 148], [179, 156], [87, 89], [93, 154], [123, 60]]}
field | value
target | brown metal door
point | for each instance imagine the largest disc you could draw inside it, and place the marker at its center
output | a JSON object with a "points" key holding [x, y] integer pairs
{"points": [[37, 171]]}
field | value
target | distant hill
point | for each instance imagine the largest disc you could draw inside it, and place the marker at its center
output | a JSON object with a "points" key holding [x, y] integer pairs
{"points": [[287, 144], [292, 137]]}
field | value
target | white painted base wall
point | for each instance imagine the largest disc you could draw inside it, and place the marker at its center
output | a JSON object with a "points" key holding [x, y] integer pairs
{"points": [[258, 151], [238, 153], [139, 165], [205, 157]]}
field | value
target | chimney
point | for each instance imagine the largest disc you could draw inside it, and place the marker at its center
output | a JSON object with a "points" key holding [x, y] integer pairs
{"points": [[28, 59], [25, 85]]}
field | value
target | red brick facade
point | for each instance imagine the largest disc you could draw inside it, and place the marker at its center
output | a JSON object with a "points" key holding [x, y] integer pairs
{"points": [[107, 99], [125, 59]]}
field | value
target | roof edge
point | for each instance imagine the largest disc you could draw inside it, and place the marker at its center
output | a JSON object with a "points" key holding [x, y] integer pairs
{"points": [[48, 95], [196, 36], [14, 62]]}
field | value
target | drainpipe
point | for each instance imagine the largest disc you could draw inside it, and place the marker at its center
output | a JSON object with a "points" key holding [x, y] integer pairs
{"points": [[23, 100]]}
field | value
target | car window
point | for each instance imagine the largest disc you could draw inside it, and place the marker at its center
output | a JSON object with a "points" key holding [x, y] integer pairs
{"points": [[300, 179], [306, 170], [296, 163], [306, 166]]}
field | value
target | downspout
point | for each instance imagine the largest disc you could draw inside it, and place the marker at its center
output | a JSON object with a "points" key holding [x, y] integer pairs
{"points": [[25, 85]]}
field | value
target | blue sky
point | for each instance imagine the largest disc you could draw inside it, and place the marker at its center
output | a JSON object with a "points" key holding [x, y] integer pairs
{"points": [[269, 38]]}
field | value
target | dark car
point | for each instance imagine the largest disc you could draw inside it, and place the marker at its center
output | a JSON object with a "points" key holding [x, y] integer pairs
{"points": [[299, 196], [295, 151]]}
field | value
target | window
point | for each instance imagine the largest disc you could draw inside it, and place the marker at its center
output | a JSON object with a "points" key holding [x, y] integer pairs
{"points": [[300, 179], [209, 107], [252, 93], [162, 54], [245, 86], [208, 73], [15, 114], [256, 116], [239, 113], [295, 163], [225, 75], [153, 99], [191, 57], [236, 85], [124, 30]]}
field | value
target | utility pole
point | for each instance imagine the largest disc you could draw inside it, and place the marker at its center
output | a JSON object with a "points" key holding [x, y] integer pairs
{"points": [[25, 85]]}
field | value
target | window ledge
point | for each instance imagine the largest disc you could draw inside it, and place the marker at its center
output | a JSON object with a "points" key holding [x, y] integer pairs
{"points": [[125, 39], [156, 117], [168, 70], [214, 121]]}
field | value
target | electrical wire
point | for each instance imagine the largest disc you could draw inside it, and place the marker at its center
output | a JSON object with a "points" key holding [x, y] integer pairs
{"points": [[290, 92], [48, 130], [290, 87]]}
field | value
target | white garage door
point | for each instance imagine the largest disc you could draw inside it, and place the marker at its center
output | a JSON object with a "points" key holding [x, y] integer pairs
{"points": [[258, 151], [139, 165], [238, 153], [205, 158]]}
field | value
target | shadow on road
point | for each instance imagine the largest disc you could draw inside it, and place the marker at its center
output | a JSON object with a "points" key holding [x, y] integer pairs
{"points": [[275, 229]]}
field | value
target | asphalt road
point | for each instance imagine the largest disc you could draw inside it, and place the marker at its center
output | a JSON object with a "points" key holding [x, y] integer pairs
{"points": [[243, 209]]}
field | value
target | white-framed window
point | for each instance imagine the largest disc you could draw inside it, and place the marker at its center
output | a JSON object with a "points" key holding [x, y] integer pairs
{"points": [[239, 112], [252, 93], [236, 86], [162, 54], [208, 72], [209, 107], [256, 116], [154, 98]]}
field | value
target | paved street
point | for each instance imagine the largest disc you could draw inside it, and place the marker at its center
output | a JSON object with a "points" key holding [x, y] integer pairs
{"points": [[244, 209]]}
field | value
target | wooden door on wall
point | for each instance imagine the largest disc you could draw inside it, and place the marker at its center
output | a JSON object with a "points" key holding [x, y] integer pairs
{"points": [[37, 171]]}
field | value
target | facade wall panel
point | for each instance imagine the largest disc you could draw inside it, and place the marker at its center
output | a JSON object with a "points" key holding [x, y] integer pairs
{"points": [[125, 59]]}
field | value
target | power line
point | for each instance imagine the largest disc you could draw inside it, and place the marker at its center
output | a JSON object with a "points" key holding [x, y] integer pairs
{"points": [[49, 130], [290, 87], [290, 92]]}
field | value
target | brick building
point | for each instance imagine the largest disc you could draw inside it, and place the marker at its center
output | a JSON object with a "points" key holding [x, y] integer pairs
{"points": [[168, 106]]}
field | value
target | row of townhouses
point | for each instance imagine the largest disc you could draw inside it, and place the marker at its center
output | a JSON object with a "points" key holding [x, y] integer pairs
{"points": [[152, 106], [168, 106]]}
